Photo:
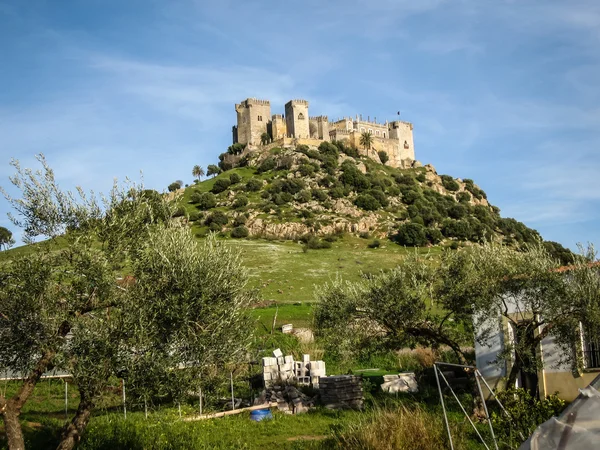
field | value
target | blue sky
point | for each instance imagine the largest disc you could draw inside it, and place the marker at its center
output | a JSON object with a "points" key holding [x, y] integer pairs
{"points": [[504, 92]]}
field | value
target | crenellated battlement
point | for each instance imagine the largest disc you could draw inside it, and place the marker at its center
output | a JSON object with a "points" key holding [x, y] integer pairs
{"points": [[277, 117], [298, 101], [319, 118]]}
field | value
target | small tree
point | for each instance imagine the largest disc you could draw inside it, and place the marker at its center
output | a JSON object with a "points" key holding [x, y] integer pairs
{"points": [[366, 140], [176, 185], [198, 172], [6, 239], [64, 307], [213, 170], [383, 156]]}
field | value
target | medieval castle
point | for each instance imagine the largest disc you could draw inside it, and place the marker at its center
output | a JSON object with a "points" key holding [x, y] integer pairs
{"points": [[296, 127]]}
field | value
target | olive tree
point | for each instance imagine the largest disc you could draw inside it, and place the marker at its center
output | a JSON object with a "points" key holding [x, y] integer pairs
{"points": [[6, 238], [528, 291], [402, 307], [117, 289]]}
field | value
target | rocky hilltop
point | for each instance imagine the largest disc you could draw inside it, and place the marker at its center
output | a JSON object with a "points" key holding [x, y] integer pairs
{"points": [[317, 193]]}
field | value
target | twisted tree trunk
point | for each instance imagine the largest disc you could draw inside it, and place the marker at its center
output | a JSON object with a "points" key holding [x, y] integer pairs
{"points": [[72, 432]]}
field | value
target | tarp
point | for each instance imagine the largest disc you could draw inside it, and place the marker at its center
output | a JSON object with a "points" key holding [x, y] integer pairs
{"points": [[577, 428]]}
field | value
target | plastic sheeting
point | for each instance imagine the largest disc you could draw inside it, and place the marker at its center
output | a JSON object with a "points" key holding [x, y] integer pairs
{"points": [[577, 428]]}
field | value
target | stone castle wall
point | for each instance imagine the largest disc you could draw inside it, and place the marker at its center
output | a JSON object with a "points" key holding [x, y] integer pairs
{"points": [[253, 116], [297, 119]]}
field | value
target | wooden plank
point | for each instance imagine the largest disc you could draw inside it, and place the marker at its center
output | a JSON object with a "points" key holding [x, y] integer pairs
{"points": [[229, 413]]}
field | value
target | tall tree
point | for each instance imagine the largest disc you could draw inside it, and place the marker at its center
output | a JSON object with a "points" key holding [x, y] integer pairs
{"points": [[366, 140], [129, 279], [197, 172], [265, 138], [6, 238]]}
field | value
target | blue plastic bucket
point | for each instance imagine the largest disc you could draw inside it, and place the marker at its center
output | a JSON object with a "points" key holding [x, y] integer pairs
{"points": [[260, 414]]}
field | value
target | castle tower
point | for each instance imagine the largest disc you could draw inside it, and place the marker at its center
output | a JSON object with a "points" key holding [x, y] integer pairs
{"points": [[319, 128], [403, 133], [252, 118], [296, 119], [278, 127]]}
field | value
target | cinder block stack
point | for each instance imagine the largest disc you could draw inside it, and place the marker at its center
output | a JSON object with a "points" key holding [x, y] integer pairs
{"points": [[341, 392], [284, 368]]}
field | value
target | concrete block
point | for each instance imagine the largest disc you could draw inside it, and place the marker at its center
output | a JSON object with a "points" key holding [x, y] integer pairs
{"points": [[286, 366], [277, 353], [289, 359], [268, 361], [287, 328], [280, 360], [305, 359]]}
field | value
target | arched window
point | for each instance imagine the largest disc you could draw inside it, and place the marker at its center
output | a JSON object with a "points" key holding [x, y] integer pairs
{"points": [[384, 134], [349, 125], [300, 116], [370, 131], [405, 144], [377, 132]]}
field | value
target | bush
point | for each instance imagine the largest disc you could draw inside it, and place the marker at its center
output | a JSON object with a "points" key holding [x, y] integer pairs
{"points": [[374, 244], [174, 186], [337, 192], [179, 212], [379, 196], [303, 196], [434, 235], [306, 170], [328, 149], [329, 164], [302, 148], [253, 185], [240, 220], [393, 191], [240, 201], [383, 156], [195, 216], [266, 165], [457, 211], [285, 163], [240, 232], [405, 180], [313, 154], [217, 218], [314, 243], [463, 197], [353, 177], [459, 229], [450, 183], [367, 202], [411, 235], [421, 178], [236, 148], [364, 235], [526, 413], [234, 178], [206, 201], [319, 194], [282, 198], [409, 196], [220, 185]]}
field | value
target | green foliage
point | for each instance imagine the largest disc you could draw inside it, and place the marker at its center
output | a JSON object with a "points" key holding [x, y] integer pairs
{"points": [[234, 178], [459, 229], [254, 185], [405, 180], [410, 235], [205, 200], [240, 201], [175, 186], [329, 164], [319, 194], [178, 212], [409, 195], [463, 197], [337, 192], [220, 185], [240, 232], [306, 170], [196, 216], [367, 202], [265, 138], [383, 156], [366, 140], [351, 176], [6, 239], [328, 149], [303, 196], [379, 196], [285, 162], [434, 235], [450, 183], [562, 254], [457, 211], [525, 412], [236, 148], [314, 243], [217, 218], [212, 170], [267, 164], [421, 177]]}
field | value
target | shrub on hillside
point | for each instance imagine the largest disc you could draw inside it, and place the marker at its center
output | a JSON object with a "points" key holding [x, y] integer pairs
{"points": [[404, 180], [337, 192], [409, 195], [267, 164], [353, 177], [220, 185], [450, 183], [367, 202], [383, 156], [374, 244], [410, 235], [206, 200], [303, 196], [234, 178], [421, 177], [285, 162], [302, 148], [319, 195], [459, 229], [282, 198], [217, 218], [179, 212], [253, 185], [314, 243], [240, 232], [306, 170], [236, 148], [393, 191], [379, 196], [196, 216], [434, 235], [457, 211], [329, 164], [240, 219], [174, 186], [240, 201], [328, 149], [463, 197]]}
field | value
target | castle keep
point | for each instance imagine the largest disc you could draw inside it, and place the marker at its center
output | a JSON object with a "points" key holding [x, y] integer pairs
{"points": [[296, 127]]}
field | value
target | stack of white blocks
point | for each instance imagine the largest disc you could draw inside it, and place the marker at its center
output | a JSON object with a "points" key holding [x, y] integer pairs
{"points": [[280, 368]]}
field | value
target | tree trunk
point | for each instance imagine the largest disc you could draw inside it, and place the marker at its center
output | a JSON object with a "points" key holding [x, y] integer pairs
{"points": [[72, 432], [12, 427], [514, 372]]}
